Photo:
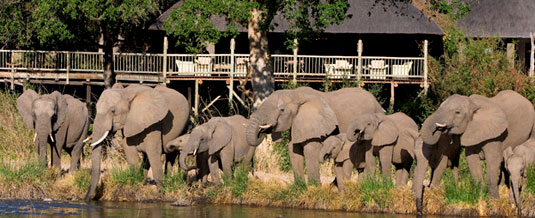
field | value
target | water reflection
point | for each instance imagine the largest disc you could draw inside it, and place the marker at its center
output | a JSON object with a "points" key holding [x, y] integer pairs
{"points": [[164, 210]]}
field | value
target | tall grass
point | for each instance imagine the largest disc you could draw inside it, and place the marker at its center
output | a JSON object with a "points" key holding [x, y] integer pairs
{"points": [[464, 191], [16, 141], [375, 189], [280, 150], [131, 175]]}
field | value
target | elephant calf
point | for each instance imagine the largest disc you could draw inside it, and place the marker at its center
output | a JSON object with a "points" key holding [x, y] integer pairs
{"points": [[391, 136], [517, 160], [59, 120], [201, 159], [223, 138]]}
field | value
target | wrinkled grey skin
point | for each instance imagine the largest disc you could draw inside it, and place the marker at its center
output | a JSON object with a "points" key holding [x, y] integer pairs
{"points": [[486, 127], [201, 159], [224, 140], [311, 116], [392, 139], [516, 162], [345, 155], [148, 117], [61, 117]]}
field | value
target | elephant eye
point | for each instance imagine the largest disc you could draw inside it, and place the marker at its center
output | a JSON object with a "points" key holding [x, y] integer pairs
{"points": [[281, 109], [457, 112]]}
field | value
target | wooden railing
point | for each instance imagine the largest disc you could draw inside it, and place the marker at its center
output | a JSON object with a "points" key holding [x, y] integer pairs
{"points": [[166, 67]]}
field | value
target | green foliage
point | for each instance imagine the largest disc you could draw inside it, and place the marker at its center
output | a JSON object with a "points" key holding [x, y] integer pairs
{"points": [[454, 9], [131, 175], [239, 181], [293, 191], [291, 85], [466, 190], [375, 189], [14, 15], [191, 22], [82, 179], [26, 173], [280, 149], [174, 181], [530, 179]]}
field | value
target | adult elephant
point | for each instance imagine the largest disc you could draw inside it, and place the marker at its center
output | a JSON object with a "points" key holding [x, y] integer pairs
{"points": [[224, 140], [312, 116], [392, 137], [486, 127], [148, 118], [59, 120]]}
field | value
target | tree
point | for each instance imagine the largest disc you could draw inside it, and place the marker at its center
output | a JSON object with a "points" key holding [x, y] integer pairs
{"points": [[14, 20], [59, 21], [192, 24]]}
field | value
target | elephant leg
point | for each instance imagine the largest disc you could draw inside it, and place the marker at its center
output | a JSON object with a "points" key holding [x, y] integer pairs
{"points": [[76, 153], [348, 169], [213, 164], [438, 172], [56, 156], [405, 175], [202, 166], [155, 161], [226, 164], [370, 162], [311, 151], [297, 161], [145, 164], [399, 176], [340, 176], [456, 172], [474, 164], [385, 157], [494, 160], [131, 153]]}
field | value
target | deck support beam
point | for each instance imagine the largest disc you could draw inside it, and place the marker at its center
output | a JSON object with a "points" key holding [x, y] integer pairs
{"points": [[392, 96], [165, 45], [426, 85], [359, 61], [232, 71], [196, 101], [295, 50], [532, 55], [88, 97]]}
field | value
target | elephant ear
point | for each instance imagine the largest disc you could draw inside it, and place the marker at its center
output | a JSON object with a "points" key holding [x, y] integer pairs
{"points": [[508, 152], [344, 152], [147, 107], [314, 119], [386, 133], [61, 109], [488, 122], [24, 105], [221, 136]]}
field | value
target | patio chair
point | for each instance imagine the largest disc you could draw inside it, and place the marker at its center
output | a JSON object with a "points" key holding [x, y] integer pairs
{"points": [[377, 67], [203, 64], [342, 67], [402, 71], [185, 67], [241, 67]]}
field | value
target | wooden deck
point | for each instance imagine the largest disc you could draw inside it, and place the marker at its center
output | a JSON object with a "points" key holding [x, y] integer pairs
{"points": [[85, 68]]}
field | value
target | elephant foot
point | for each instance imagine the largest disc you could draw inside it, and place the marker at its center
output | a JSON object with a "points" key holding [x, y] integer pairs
{"points": [[419, 207], [149, 182]]}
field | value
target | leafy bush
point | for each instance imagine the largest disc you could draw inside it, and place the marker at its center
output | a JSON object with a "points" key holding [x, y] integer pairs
{"points": [[375, 189]]}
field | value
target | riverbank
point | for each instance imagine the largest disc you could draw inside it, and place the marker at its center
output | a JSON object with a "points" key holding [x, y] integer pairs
{"points": [[21, 177]]}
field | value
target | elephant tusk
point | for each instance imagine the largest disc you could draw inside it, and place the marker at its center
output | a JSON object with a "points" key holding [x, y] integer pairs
{"points": [[87, 139], [194, 152], [101, 139], [34, 137], [51, 137], [441, 125], [265, 126]]}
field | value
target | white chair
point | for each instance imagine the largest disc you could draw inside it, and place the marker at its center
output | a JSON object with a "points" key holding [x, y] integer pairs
{"points": [[377, 67], [402, 71], [342, 68], [185, 66], [241, 67], [203, 64]]}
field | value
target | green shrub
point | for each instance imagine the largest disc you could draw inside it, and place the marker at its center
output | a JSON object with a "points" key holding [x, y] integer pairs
{"points": [[174, 181], [129, 176], [530, 179], [466, 190], [375, 189], [82, 179], [280, 149]]}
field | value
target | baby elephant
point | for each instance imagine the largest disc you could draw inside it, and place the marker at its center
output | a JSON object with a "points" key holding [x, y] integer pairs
{"points": [[224, 140], [201, 159], [391, 136], [517, 160]]}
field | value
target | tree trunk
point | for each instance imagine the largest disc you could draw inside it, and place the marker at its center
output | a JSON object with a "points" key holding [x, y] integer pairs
{"points": [[260, 66], [532, 55], [109, 74]]}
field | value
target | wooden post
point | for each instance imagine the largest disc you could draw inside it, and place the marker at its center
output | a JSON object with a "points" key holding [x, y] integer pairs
{"points": [[359, 68], [165, 45], [12, 73], [196, 107], [189, 96], [426, 86], [88, 96], [294, 81], [532, 55], [232, 70], [68, 67], [392, 96]]}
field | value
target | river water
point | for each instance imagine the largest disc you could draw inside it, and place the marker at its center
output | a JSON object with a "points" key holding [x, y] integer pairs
{"points": [[98, 209]]}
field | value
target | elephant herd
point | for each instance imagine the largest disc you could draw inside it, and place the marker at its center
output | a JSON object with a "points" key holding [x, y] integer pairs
{"points": [[347, 125]]}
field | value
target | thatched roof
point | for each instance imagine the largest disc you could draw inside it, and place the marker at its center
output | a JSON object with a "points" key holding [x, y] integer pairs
{"points": [[367, 17], [508, 19]]}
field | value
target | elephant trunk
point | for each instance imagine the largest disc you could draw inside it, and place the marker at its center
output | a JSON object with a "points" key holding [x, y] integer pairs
{"points": [[95, 171], [352, 133], [419, 174], [516, 195], [252, 132], [101, 129], [182, 158], [429, 132], [43, 131]]}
